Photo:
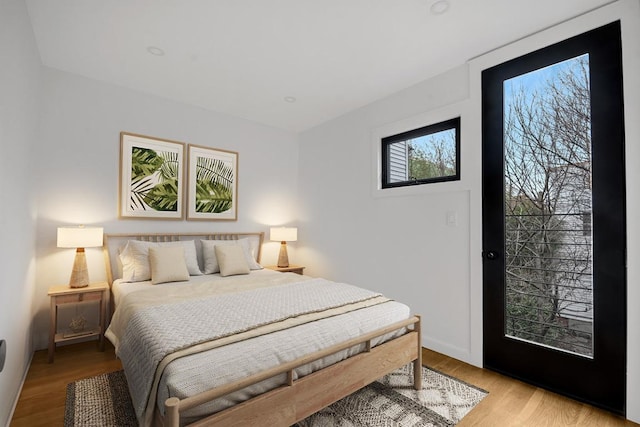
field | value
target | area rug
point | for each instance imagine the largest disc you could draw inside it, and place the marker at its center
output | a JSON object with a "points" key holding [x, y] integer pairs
{"points": [[391, 401]]}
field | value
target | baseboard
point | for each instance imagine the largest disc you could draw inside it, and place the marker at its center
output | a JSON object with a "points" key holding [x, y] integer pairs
{"points": [[447, 349], [17, 398]]}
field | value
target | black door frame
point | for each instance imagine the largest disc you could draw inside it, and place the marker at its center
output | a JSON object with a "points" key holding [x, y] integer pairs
{"points": [[600, 381]]}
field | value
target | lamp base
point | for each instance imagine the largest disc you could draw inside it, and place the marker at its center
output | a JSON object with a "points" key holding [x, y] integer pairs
{"points": [[283, 258], [80, 273]]}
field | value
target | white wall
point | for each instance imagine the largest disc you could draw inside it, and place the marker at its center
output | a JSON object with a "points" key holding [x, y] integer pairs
{"points": [[19, 91], [78, 164], [402, 245]]}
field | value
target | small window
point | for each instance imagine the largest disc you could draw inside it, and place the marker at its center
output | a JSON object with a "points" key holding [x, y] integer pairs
{"points": [[422, 156]]}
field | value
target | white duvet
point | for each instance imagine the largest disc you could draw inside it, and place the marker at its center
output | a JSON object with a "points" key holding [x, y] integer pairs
{"points": [[228, 360]]}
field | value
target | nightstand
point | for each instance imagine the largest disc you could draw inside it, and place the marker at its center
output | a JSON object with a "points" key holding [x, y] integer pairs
{"points": [[291, 269], [64, 295]]}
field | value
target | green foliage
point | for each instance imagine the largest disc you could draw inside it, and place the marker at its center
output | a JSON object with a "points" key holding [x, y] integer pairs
{"points": [[163, 196], [433, 160], [154, 180], [170, 166], [212, 197], [214, 185], [420, 167], [144, 162]]}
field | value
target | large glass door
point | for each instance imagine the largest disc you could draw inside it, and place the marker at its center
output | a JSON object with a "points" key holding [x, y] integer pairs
{"points": [[553, 215], [548, 207]]}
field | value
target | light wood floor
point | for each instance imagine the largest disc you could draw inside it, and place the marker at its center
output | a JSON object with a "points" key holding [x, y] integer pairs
{"points": [[514, 403], [42, 399], [509, 403]]}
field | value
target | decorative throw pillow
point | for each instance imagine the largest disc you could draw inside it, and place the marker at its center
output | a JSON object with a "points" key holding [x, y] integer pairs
{"points": [[231, 259], [190, 256], [167, 264], [209, 254]]}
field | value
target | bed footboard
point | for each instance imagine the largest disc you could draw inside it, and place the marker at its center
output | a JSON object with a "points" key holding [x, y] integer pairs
{"points": [[298, 399]]}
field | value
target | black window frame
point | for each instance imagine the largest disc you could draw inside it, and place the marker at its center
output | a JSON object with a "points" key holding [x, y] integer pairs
{"points": [[386, 142]]}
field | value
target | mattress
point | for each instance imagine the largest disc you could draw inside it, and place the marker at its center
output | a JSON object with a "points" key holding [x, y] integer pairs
{"points": [[195, 373]]}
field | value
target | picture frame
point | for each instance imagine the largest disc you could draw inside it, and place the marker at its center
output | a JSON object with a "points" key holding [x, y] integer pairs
{"points": [[152, 176], [212, 185]]}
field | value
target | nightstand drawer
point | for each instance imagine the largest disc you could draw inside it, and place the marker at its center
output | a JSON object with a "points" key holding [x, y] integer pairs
{"points": [[87, 296]]}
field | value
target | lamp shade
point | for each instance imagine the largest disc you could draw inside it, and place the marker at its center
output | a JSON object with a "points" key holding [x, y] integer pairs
{"points": [[79, 237], [284, 234]]}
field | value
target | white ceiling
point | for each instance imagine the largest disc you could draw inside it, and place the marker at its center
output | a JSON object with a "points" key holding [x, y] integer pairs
{"points": [[244, 57]]}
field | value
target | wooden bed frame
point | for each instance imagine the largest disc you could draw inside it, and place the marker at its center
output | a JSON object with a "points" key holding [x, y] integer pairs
{"points": [[297, 399]]}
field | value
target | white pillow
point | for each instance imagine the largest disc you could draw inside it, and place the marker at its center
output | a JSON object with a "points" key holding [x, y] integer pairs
{"points": [[209, 254], [190, 255], [232, 260], [167, 264], [250, 253], [135, 259], [210, 259]]}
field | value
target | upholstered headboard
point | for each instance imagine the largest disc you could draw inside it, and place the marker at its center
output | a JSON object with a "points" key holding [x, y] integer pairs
{"points": [[113, 243]]}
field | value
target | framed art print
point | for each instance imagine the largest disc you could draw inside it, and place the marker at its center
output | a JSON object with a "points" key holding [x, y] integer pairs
{"points": [[151, 177], [212, 184]]}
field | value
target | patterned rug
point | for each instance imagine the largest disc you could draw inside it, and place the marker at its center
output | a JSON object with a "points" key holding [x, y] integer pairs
{"points": [[391, 401]]}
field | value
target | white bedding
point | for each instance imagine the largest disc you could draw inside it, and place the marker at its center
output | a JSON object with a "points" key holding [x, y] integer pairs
{"points": [[120, 288], [198, 372], [229, 363]]}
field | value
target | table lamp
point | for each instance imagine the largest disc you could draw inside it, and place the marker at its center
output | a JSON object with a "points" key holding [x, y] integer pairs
{"points": [[284, 235], [79, 237]]}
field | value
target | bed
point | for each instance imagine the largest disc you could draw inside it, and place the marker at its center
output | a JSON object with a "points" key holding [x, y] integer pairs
{"points": [[243, 345]]}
